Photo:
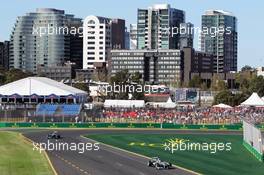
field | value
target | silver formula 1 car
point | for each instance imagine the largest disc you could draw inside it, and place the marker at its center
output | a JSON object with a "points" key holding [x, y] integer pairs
{"points": [[159, 164]]}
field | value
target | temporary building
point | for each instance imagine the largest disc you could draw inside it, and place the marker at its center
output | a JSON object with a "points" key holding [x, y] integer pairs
{"points": [[168, 104], [253, 100], [40, 88], [124, 103], [221, 105]]}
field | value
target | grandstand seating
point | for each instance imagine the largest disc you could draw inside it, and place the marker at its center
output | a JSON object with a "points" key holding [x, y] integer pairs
{"points": [[46, 109], [58, 109]]}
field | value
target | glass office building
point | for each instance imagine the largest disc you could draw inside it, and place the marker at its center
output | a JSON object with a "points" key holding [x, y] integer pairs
{"points": [[44, 38], [222, 44], [155, 66], [154, 27]]}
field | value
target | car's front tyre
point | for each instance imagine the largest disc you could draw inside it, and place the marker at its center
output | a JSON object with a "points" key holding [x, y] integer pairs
{"points": [[157, 167], [149, 164]]}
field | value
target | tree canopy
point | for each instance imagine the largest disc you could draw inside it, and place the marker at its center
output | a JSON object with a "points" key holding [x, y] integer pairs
{"points": [[13, 75], [248, 83], [123, 83], [218, 84]]}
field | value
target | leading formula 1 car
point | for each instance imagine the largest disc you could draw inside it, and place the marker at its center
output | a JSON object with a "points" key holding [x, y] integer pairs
{"points": [[159, 164], [54, 135]]}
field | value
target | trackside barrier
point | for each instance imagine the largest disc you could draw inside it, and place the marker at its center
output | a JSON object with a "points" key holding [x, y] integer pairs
{"points": [[251, 149], [122, 125]]}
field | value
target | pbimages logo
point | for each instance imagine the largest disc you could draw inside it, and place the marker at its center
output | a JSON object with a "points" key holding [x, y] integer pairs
{"points": [[130, 88], [204, 31], [50, 29], [173, 145], [57, 30], [177, 144], [63, 146]]}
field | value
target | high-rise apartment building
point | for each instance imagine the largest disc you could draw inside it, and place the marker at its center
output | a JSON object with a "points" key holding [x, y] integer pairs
{"points": [[196, 62], [186, 35], [133, 36], [4, 55], [127, 39], [155, 26], [118, 30], [100, 36], [45, 37], [219, 37]]}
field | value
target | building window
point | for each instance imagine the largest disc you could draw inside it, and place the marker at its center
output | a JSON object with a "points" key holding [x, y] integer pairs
{"points": [[91, 22]]}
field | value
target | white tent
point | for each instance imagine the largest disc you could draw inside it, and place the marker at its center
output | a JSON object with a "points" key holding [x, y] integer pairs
{"points": [[124, 103], [168, 104], [253, 100], [221, 105], [40, 86]]}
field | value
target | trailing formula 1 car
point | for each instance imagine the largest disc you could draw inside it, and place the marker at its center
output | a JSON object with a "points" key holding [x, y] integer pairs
{"points": [[159, 164], [54, 135]]}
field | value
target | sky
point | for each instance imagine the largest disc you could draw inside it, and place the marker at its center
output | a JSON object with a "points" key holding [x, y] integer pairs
{"points": [[250, 15]]}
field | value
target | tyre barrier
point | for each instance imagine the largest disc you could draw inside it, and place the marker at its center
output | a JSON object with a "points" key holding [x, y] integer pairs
{"points": [[121, 125]]}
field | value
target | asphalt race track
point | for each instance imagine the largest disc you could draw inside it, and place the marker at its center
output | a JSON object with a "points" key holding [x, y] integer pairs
{"points": [[107, 160]]}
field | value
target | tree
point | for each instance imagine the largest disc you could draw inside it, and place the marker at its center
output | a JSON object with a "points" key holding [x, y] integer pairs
{"points": [[225, 97], [243, 82], [136, 77], [100, 75], [2, 75], [15, 74], [118, 83], [138, 95], [218, 84], [246, 68], [84, 87], [243, 79], [257, 85], [195, 82], [239, 98], [123, 83], [120, 77], [204, 86]]}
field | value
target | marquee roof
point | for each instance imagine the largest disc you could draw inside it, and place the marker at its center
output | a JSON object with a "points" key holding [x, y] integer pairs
{"points": [[253, 100], [40, 86]]}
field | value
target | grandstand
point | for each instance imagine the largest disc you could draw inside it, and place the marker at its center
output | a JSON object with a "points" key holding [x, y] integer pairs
{"points": [[31, 97], [58, 109]]}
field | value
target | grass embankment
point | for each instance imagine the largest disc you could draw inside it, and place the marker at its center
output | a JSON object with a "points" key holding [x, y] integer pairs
{"points": [[18, 158]]}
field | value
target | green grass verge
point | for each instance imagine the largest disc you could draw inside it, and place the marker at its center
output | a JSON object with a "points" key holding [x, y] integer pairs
{"points": [[18, 158], [238, 161]]}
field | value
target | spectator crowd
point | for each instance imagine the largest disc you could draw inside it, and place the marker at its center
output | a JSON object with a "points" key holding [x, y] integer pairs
{"points": [[184, 115]]}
